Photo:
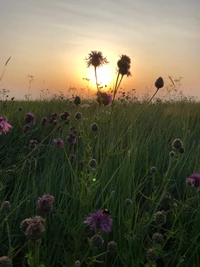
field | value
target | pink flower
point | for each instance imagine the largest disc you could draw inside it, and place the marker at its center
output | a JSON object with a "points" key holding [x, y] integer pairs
{"points": [[4, 125], [99, 221]]}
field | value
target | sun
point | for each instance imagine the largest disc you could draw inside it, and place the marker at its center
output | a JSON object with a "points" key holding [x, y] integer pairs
{"points": [[104, 76]]}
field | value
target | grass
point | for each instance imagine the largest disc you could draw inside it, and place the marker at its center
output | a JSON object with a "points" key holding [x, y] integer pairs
{"points": [[124, 159]]}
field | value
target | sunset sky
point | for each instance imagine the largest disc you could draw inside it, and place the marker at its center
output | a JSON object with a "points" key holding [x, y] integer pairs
{"points": [[49, 40]]}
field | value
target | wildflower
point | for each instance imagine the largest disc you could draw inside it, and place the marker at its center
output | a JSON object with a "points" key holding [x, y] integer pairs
{"points": [[160, 217], [159, 83], [94, 127], [44, 121], [64, 116], [92, 163], [128, 202], [77, 100], [32, 143], [45, 203], [24, 224], [78, 115], [71, 138], [104, 98], [26, 128], [99, 221], [97, 241], [4, 125], [5, 262], [124, 64], [96, 59], [35, 228], [194, 181], [172, 154], [177, 143], [153, 169], [112, 246], [157, 238], [151, 254], [5, 206], [77, 264], [58, 142], [29, 118], [181, 150]]}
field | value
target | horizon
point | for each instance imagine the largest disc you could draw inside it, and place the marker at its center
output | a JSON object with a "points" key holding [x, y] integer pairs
{"points": [[50, 40]]}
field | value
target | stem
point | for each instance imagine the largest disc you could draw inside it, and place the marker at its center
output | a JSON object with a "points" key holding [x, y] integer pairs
{"points": [[95, 71], [9, 240], [35, 254]]}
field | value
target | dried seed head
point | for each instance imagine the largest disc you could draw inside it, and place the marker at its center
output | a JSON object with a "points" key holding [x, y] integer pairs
{"points": [[112, 246], [160, 217], [177, 144], [151, 254], [157, 238], [181, 150], [97, 241], [77, 100], [5, 262]]}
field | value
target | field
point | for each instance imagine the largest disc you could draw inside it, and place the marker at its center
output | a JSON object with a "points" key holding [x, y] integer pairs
{"points": [[114, 157]]}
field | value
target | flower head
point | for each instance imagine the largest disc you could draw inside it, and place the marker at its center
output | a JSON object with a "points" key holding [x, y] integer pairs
{"points": [[194, 181], [44, 121], [96, 59], [112, 246], [159, 83], [99, 221], [160, 217], [97, 241], [29, 118], [4, 125], [26, 128], [124, 64], [77, 100], [104, 98], [34, 227], [71, 138], [5, 206], [58, 142], [5, 262], [45, 203]]}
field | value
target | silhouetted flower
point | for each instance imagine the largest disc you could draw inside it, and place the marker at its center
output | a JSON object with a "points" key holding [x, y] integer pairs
{"points": [[26, 128], [29, 118], [194, 181], [104, 98], [4, 125], [99, 221], [77, 100], [71, 138], [58, 142], [153, 170], [97, 241], [96, 59], [159, 83], [45, 203], [44, 121], [5, 262], [124, 64]]}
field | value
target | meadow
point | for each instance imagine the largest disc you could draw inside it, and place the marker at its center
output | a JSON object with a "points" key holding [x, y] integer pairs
{"points": [[84, 183]]}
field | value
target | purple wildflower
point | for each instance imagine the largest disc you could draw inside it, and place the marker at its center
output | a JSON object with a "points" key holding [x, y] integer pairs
{"points": [[45, 203], [104, 98], [96, 59], [194, 181], [26, 128], [4, 125], [29, 118], [99, 221], [58, 142], [71, 138]]}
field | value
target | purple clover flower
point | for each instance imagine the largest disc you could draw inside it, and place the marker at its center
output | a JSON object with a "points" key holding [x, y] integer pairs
{"points": [[4, 125], [99, 221], [58, 142], [29, 118], [194, 181]]}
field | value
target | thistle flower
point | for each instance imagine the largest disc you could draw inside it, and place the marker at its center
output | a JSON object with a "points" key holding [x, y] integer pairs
{"points": [[71, 138], [194, 181], [94, 127], [45, 203], [112, 246], [159, 83], [58, 142], [24, 224], [104, 98], [160, 217], [77, 100], [97, 241], [35, 228], [99, 221], [29, 118], [4, 125], [5, 262], [124, 64], [5, 206], [96, 59]]}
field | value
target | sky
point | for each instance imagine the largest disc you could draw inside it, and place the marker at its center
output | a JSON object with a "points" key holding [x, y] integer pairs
{"points": [[50, 39]]}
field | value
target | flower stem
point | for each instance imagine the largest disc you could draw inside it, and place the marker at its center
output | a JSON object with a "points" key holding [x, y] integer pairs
{"points": [[9, 240]]}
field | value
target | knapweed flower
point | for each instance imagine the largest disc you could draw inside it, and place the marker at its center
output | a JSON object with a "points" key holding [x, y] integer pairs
{"points": [[4, 125], [177, 144], [92, 163], [104, 98], [194, 181], [99, 221], [58, 142], [5, 262], [25, 224], [77, 100], [96, 59], [128, 202], [44, 121], [124, 64], [45, 203], [159, 83], [26, 128], [112, 246], [160, 217], [34, 227], [78, 115], [94, 127], [5, 206], [29, 118], [151, 254], [64, 116], [97, 241], [71, 138], [157, 238]]}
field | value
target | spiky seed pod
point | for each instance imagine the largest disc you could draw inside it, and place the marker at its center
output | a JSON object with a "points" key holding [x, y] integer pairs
{"points": [[97, 241], [77, 100], [112, 246], [159, 83], [157, 238]]}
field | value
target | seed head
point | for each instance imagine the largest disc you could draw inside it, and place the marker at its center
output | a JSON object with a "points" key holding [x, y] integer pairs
{"points": [[26, 128], [160, 217], [157, 238], [97, 241], [5, 206], [128, 202], [181, 150], [159, 83], [151, 254], [104, 98], [64, 116], [124, 64], [29, 118], [172, 154], [92, 163], [78, 115], [112, 246], [77, 100], [44, 121], [153, 170], [24, 224], [35, 229], [77, 264], [45, 203], [177, 144], [94, 127]]}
